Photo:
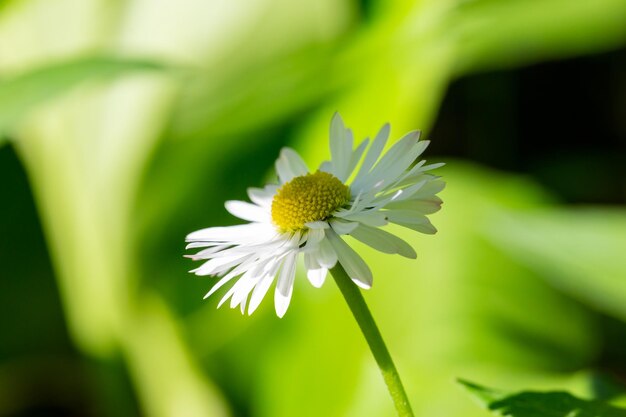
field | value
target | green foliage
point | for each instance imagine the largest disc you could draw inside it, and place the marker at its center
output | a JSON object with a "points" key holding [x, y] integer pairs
{"points": [[573, 249], [540, 404], [26, 91], [496, 34], [121, 180]]}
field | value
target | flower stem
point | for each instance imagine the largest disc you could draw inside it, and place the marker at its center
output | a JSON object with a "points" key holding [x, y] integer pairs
{"points": [[366, 322]]}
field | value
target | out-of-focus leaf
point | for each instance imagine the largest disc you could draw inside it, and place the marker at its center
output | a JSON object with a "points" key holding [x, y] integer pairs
{"points": [[580, 251], [507, 33], [22, 93], [234, 103], [540, 404]]}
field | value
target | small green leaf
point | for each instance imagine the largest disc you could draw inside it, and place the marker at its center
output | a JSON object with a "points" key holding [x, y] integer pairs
{"points": [[540, 404], [20, 94]]}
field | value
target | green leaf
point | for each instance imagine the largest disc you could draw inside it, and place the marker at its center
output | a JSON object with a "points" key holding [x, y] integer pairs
{"points": [[540, 404], [577, 250], [22, 93], [504, 34]]}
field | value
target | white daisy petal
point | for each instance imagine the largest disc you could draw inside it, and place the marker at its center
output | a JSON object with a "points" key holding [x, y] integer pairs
{"points": [[430, 188], [231, 291], [289, 165], [411, 191], [375, 150], [326, 255], [426, 206], [219, 285], [326, 166], [314, 271], [352, 263], [340, 147], [396, 160], [262, 196], [247, 211], [313, 239], [343, 227], [383, 241], [284, 285], [412, 220], [259, 292], [370, 218], [294, 162], [205, 253], [243, 287], [317, 225], [356, 157], [194, 245], [433, 166], [244, 232], [216, 265], [317, 276]]}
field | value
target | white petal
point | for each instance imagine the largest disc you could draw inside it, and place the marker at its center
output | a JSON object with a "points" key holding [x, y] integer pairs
{"points": [[431, 188], [433, 166], [217, 265], [317, 276], [259, 292], [243, 288], [314, 237], [207, 253], [426, 206], [354, 265], [263, 196], [317, 225], [356, 156], [373, 218], [406, 216], [193, 245], [326, 166], [326, 256], [343, 227], [234, 289], [340, 147], [247, 211], [411, 191], [383, 241], [219, 285], [314, 272], [373, 153], [289, 165], [242, 232], [284, 285], [393, 163], [295, 163], [412, 220]]}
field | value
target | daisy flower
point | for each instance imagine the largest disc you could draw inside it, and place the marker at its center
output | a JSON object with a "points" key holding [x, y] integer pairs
{"points": [[308, 212]]}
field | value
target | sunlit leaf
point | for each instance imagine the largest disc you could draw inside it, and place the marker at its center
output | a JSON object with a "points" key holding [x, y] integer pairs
{"points": [[575, 249], [540, 404], [22, 93], [496, 34]]}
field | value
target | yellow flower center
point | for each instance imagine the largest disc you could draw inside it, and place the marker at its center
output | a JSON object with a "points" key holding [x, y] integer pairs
{"points": [[307, 198]]}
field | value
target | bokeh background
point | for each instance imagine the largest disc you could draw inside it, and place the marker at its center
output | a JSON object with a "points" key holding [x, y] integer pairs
{"points": [[125, 124]]}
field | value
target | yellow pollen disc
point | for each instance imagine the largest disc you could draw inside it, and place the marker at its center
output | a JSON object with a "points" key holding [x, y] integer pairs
{"points": [[307, 198]]}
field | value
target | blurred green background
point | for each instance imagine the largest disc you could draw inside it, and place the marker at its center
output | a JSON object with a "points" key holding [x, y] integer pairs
{"points": [[125, 124]]}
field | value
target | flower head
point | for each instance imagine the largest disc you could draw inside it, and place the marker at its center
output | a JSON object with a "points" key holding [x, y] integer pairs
{"points": [[307, 214]]}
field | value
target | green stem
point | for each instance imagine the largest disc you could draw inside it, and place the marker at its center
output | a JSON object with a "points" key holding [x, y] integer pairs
{"points": [[366, 322]]}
